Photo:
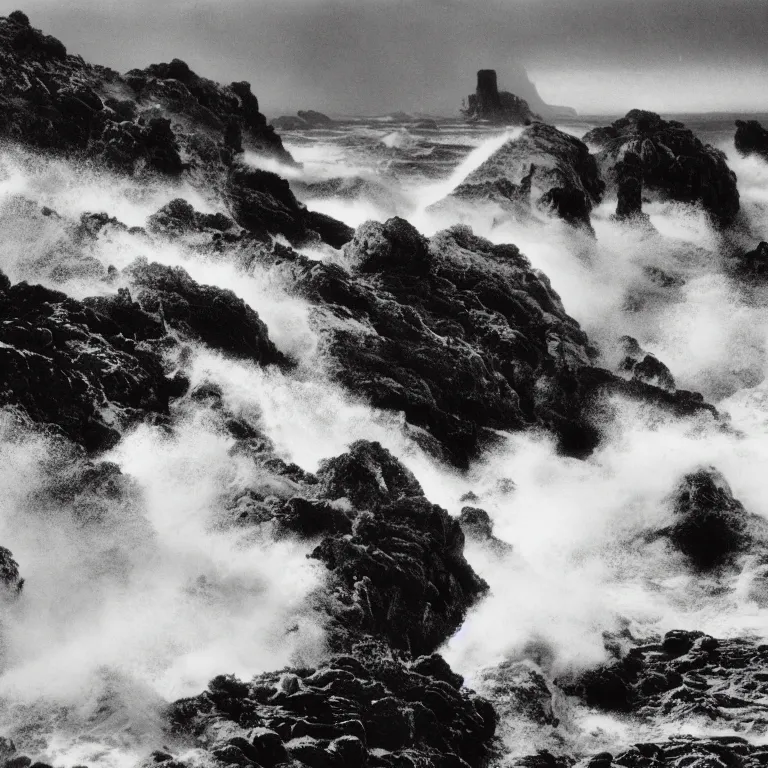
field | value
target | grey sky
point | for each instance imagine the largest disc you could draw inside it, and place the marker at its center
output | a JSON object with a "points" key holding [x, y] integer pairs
{"points": [[376, 56]]}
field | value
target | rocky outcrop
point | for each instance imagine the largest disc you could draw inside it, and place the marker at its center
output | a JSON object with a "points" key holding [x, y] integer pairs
{"points": [[164, 119], [753, 264], [711, 528], [304, 120], [488, 103], [10, 577], [401, 574], [363, 710], [460, 335], [90, 368], [687, 674], [315, 119], [263, 203], [76, 369], [543, 169], [751, 138], [53, 100], [675, 163], [397, 586], [629, 188], [643, 367]]}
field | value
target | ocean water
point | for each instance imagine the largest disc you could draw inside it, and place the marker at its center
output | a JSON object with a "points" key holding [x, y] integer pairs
{"points": [[119, 617]]}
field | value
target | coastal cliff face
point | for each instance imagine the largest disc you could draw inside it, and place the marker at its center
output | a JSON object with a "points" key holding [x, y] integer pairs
{"points": [[222, 426]]}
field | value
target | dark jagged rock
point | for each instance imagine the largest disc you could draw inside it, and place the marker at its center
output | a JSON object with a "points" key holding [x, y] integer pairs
{"points": [[675, 163], [263, 203], [213, 315], [711, 527], [178, 217], [543, 168], [369, 710], [397, 587], [643, 367], [752, 264], [683, 750], [74, 368], [164, 120], [9, 572], [368, 475], [629, 187], [751, 138], [687, 674], [462, 336], [487, 103], [401, 575]]}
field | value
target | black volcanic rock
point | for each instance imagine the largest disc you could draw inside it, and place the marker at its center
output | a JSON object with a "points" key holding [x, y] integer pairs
{"points": [[10, 577], [460, 335], [263, 203], [164, 119], [686, 675], [643, 367], [751, 138], [752, 264], [213, 315], [629, 187], [488, 103], [368, 475], [710, 526], [69, 366], [543, 168], [371, 709], [675, 164], [397, 586]]}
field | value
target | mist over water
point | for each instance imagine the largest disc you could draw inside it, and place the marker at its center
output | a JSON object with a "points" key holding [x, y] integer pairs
{"points": [[145, 593]]}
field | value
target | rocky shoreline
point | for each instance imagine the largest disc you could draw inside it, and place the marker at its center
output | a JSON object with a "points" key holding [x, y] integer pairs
{"points": [[461, 336]]}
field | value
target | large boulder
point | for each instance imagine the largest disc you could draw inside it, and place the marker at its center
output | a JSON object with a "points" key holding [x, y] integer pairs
{"points": [[710, 526], [676, 165], [544, 169], [401, 575], [751, 138], [213, 315], [350, 712]]}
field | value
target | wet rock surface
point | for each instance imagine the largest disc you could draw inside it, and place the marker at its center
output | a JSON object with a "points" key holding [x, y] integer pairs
{"points": [[69, 366], [544, 169], [398, 585], [685, 675], [751, 138], [460, 335], [711, 527], [164, 120], [463, 337], [675, 163]]}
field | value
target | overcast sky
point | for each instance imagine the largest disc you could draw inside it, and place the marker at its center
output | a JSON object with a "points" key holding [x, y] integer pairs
{"points": [[376, 56]]}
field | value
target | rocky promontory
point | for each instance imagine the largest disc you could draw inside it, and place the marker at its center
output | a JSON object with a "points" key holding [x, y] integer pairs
{"points": [[675, 164], [502, 107]]}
